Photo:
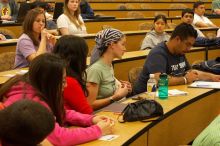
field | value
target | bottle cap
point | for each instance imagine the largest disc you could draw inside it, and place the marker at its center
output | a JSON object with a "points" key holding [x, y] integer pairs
{"points": [[163, 75], [151, 75]]}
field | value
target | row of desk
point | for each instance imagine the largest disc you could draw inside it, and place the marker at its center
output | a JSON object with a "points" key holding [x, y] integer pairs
{"points": [[134, 40], [137, 58], [184, 118], [123, 24], [138, 5], [146, 12], [140, 0]]}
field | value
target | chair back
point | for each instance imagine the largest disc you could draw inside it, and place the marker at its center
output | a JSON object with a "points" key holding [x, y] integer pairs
{"points": [[146, 26], [7, 33], [7, 60], [133, 74], [135, 14]]}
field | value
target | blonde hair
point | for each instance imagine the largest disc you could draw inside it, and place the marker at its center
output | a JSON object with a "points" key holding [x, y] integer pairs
{"points": [[73, 18]]}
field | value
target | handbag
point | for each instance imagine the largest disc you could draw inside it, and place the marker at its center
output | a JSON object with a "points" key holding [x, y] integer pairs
{"points": [[142, 110]]}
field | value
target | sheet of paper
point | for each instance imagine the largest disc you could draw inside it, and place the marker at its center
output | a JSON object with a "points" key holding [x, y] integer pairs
{"points": [[204, 84], [108, 137], [175, 92]]}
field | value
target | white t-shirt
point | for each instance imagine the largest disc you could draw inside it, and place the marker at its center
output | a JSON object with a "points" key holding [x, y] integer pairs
{"points": [[64, 22], [203, 19]]}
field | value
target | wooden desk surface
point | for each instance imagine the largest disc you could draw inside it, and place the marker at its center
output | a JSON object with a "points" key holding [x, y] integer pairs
{"points": [[138, 132], [146, 12], [138, 5], [134, 40], [142, 1]]}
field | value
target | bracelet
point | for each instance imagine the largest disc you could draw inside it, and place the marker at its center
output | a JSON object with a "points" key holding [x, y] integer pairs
{"points": [[111, 100], [185, 80]]}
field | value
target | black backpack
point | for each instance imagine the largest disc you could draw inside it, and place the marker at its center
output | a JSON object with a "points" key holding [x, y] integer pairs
{"points": [[212, 66]]}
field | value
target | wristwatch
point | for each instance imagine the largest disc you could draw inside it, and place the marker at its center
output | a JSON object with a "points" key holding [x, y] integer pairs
{"points": [[111, 100]]}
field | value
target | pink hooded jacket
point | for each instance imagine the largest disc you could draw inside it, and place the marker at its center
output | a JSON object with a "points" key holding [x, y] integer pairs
{"points": [[60, 136]]}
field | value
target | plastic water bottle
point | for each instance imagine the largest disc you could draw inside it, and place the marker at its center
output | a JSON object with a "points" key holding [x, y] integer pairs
{"points": [[151, 87], [163, 86]]}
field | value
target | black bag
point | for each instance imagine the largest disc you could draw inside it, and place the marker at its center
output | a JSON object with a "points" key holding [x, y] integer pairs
{"points": [[212, 66], [142, 110]]}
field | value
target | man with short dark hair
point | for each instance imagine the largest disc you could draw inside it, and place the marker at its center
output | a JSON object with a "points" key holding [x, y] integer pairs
{"points": [[201, 40], [199, 19], [169, 57]]}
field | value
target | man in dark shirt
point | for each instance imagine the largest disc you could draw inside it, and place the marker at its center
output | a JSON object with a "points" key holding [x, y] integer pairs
{"points": [[169, 57], [86, 10]]}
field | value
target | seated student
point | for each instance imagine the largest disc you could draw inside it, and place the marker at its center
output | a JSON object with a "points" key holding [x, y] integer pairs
{"points": [[169, 57], [187, 17], [157, 34], [35, 39], [25, 123], [44, 83], [199, 19], [103, 87], [8, 9], [2, 37], [210, 136], [86, 10], [70, 22], [42, 5], [74, 50], [216, 7]]}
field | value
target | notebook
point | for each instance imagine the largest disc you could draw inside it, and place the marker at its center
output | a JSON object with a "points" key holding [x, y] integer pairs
{"points": [[115, 107], [58, 10], [205, 84]]}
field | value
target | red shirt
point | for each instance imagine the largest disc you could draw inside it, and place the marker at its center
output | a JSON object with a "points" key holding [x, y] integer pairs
{"points": [[74, 97]]}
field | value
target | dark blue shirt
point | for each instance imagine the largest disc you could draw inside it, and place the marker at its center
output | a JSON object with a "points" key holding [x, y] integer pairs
{"points": [[161, 60]]}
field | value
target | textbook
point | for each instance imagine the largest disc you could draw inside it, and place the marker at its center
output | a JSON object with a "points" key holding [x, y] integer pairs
{"points": [[205, 84]]}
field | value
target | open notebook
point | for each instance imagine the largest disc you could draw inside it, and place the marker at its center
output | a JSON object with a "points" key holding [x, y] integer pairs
{"points": [[204, 84]]}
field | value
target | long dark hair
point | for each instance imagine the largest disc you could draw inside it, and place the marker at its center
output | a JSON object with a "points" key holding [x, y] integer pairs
{"points": [[29, 21], [46, 76], [74, 50], [25, 122]]}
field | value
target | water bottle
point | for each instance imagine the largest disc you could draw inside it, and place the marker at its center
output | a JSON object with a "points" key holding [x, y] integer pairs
{"points": [[163, 86], [151, 87]]}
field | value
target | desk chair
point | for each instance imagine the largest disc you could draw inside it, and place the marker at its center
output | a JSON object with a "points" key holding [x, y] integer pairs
{"points": [[133, 74], [135, 14], [171, 25], [145, 6], [7, 33], [178, 6], [125, 6], [7, 60], [145, 26]]}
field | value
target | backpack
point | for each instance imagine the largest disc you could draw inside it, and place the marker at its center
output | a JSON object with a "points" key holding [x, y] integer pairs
{"points": [[212, 66]]}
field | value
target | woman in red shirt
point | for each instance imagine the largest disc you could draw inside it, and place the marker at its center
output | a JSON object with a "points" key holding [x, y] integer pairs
{"points": [[74, 50]]}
